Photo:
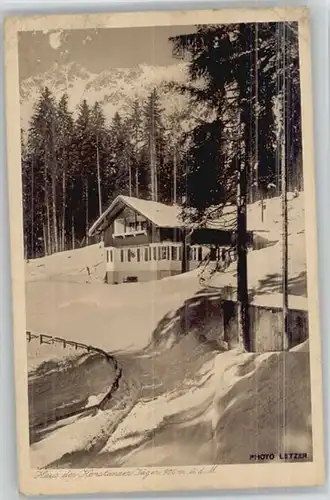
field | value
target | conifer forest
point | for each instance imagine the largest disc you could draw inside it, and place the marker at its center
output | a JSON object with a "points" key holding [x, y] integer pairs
{"points": [[241, 121]]}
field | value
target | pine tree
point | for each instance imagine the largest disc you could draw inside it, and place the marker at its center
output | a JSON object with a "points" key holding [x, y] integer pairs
{"points": [[154, 142], [27, 190], [99, 145], [239, 66], [42, 143], [65, 160], [135, 128], [120, 156], [85, 177]]}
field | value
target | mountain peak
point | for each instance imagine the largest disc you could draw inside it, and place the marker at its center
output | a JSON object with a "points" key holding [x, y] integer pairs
{"points": [[115, 88]]}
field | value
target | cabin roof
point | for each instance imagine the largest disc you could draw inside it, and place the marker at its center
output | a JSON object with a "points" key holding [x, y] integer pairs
{"points": [[161, 215]]}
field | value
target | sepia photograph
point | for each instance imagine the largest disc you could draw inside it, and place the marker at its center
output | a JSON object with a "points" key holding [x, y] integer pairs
{"points": [[166, 236]]}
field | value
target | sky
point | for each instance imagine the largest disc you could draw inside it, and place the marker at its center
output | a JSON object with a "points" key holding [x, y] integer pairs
{"points": [[97, 49]]}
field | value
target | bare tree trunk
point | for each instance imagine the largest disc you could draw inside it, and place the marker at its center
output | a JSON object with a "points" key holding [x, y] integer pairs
{"points": [[174, 177], [73, 233], [32, 211], [87, 210], [44, 233], [137, 180], [54, 213], [63, 246], [48, 246], [130, 178], [154, 195], [136, 162], [98, 175], [284, 187], [242, 271]]}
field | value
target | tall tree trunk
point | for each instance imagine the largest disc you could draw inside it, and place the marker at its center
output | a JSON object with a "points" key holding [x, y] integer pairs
{"points": [[242, 270], [136, 162], [87, 210], [98, 175], [153, 170], [63, 246], [32, 210], [130, 177], [284, 188], [137, 179], [73, 233], [48, 246], [44, 234], [54, 213], [174, 176]]}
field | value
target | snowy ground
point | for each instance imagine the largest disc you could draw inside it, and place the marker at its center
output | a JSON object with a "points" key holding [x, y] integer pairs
{"points": [[189, 403], [234, 406]]}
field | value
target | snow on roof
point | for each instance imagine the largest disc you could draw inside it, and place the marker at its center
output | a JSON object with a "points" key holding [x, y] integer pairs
{"points": [[158, 213], [170, 215]]}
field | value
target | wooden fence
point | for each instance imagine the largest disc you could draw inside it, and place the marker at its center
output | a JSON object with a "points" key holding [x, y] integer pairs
{"points": [[49, 339]]}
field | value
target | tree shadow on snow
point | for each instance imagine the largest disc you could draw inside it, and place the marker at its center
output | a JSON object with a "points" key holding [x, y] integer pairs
{"points": [[199, 316], [273, 283]]}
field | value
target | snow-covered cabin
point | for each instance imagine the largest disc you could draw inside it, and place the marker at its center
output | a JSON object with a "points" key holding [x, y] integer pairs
{"points": [[145, 240]]}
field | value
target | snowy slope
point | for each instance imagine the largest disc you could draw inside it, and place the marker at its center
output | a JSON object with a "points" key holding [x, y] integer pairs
{"points": [[188, 404], [59, 301], [264, 265], [233, 406], [69, 266]]}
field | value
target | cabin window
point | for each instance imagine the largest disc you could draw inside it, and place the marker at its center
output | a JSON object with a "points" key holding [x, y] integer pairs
{"points": [[128, 255], [138, 255], [174, 252], [149, 253], [159, 253], [108, 255], [146, 254], [121, 255], [155, 253], [131, 227], [195, 253], [180, 253], [200, 254], [143, 225]]}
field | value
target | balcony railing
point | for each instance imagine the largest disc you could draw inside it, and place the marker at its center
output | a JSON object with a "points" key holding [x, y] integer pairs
{"points": [[129, 234]]}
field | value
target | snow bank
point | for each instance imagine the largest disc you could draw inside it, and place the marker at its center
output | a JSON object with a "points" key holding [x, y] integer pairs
{"points": [[69, 266], [262, 405], [238, 404], [38, 355], [272, 216], [264, 269], [109, 317]]}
